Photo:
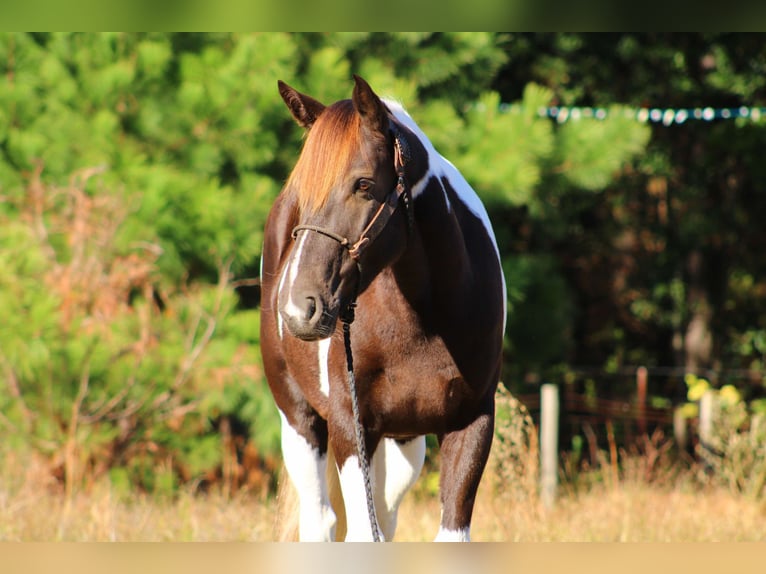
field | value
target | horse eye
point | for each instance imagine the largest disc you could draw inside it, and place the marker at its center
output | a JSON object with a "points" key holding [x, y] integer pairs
{"points": [[365, 186]]}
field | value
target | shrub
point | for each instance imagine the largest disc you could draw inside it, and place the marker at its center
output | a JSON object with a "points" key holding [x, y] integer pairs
{"points": [[107, 372], [735, 454], [513, 468]]}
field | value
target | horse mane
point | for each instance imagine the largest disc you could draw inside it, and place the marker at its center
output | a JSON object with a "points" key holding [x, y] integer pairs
{"points": [[330, 146]]}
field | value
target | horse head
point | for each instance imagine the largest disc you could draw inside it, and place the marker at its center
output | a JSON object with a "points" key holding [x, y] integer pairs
{"points": [[353, 203]]}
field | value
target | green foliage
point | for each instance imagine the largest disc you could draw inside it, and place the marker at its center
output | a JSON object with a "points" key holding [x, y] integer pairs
{"points": [[540, 314], [188, 134], [590, 152], [152, 161], [697, 386], [515, 143], [734, 455], [98, 376]]}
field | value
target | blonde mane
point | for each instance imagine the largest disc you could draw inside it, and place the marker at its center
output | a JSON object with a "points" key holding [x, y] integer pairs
{"points": [[327, 154]]}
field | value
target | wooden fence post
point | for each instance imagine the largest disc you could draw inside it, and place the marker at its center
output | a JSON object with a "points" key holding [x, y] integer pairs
{"points": [[642, 382], [707, 411], [549, 435], [680, 429]]}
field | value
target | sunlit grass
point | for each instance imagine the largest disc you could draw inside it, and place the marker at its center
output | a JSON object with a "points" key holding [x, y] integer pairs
{"points": [[32, 508], [650, 496], [627, 513]]}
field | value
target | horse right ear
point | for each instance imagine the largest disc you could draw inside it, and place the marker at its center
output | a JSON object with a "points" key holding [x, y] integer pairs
{"points": [[369, 106], [304, 109]]}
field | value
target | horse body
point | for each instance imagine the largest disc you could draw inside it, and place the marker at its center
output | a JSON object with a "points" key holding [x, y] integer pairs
{"points": [[428, 327]]}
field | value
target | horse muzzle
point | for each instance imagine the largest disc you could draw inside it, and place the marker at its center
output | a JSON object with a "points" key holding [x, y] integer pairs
{"points": [[308, 317]]}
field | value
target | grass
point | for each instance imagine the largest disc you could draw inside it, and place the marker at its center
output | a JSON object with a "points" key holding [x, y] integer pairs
{"points": [[35, 509], [645, 495], [32, 508]]}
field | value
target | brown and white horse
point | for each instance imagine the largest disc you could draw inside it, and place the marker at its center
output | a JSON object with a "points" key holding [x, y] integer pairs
{"points": [[372, 212]]}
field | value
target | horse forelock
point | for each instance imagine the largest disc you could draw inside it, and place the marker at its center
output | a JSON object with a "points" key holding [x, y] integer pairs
{"points": [[328, 153]]}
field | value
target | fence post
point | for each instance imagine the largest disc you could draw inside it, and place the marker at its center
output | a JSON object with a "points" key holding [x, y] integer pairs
{"points": [[680, 429], [549, 435], [707, 410], [642, 382]]}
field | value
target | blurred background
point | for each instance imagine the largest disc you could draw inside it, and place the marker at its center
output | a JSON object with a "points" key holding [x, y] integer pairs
{"points": [[623, 174]]}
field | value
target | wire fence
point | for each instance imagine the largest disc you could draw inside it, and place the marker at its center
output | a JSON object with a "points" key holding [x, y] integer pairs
{"points": [[606, 414]]}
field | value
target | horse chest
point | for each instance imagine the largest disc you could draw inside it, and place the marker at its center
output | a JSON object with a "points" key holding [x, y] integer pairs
{"points": [[406, 383], [418, 388]]}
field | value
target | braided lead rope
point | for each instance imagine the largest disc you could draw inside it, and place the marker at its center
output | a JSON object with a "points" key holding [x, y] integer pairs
{"points": [[401, 156], [361, 449]]}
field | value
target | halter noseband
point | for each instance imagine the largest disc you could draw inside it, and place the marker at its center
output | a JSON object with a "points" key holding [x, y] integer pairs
{"points": [[401, 192]]}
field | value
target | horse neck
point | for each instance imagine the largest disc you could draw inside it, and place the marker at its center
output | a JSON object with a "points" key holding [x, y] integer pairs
{"points": [[435, 262], [436, 257]]}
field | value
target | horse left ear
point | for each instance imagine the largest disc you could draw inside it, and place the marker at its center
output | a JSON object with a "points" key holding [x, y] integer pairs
{"points": [[304, 109], [368, 105]]}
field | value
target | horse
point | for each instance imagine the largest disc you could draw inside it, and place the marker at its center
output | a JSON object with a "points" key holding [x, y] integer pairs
{"points": [[373, 222]]}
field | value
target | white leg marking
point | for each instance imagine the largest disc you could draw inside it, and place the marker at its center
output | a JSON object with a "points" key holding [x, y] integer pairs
{"points": [[324, 376], [355, 499], [307, 473], [447, 535], [397, 467]]}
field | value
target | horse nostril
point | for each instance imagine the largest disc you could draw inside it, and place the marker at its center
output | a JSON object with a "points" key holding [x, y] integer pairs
{"points": [[311, 308]]}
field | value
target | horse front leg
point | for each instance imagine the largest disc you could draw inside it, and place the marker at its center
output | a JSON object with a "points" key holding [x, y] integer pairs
{"points": [[304, 450], [464, 455], [352, 480], [396, 466]]}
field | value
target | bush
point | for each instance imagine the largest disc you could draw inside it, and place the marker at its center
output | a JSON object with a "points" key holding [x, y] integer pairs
{"points": [[107, 371], [513, 468], [735, 454]]}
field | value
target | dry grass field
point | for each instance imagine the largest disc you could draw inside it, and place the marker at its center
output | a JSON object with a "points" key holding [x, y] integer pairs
{"points": [[31, 509], [650, 496]]}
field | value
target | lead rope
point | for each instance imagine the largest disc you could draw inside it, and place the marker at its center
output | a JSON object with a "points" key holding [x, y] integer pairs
{"points": [[361, 449], [402, 155]]}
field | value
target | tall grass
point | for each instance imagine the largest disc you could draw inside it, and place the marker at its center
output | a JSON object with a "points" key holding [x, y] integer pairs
{"points": [[648, 497], [628, 511], [35, 507]]}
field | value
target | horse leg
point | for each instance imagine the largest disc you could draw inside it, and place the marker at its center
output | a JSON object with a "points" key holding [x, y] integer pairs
{"points": [[358, 528], [396, 465], [305, 455], [464, 455]]}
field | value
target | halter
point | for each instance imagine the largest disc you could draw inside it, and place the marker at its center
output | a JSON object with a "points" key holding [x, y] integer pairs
{"points": [[403, 193]]}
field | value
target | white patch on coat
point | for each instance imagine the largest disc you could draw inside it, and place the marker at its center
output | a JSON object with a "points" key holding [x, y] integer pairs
{"points": [[324, 359], [288, 278]]}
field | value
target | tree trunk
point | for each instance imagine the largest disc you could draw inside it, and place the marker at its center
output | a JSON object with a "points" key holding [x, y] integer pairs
{"points": [[698, 340]]}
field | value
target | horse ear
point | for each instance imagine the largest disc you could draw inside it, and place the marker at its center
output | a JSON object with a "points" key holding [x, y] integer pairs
{"points": [[304, 109], [369, 106]]}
